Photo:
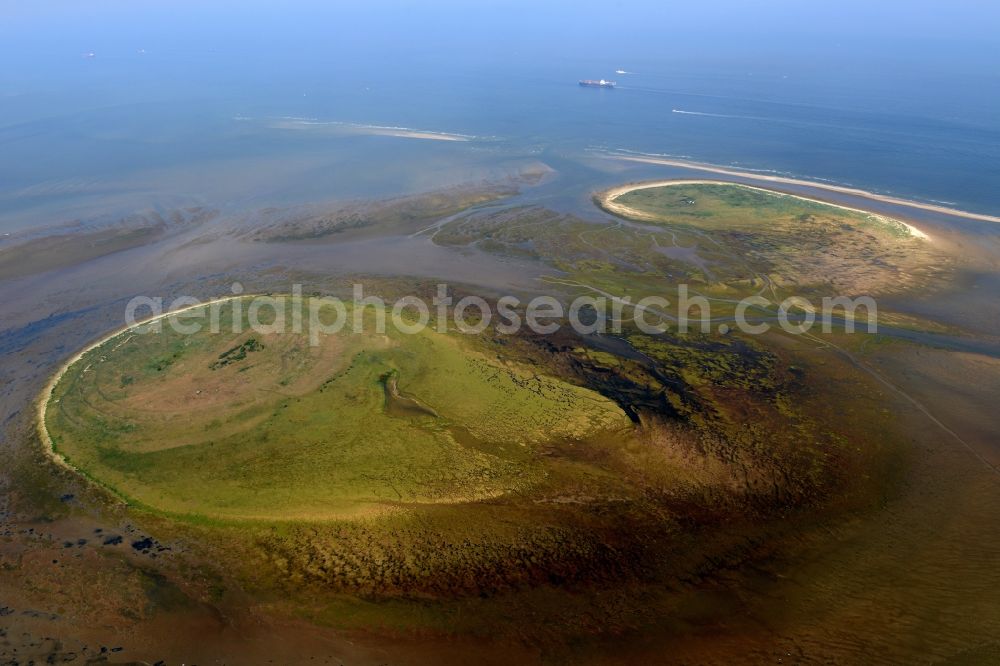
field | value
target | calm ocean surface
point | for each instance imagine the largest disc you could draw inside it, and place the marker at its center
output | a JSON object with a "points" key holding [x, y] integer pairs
{"points": [[180, 104]]}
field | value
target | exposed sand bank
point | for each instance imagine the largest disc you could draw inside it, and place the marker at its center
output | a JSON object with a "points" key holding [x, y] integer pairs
{"points": [[609, 200], [808, 183], [371, 130]]}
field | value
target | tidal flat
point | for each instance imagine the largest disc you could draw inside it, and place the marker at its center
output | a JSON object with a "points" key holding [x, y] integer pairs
{"points": [[699, 497]]}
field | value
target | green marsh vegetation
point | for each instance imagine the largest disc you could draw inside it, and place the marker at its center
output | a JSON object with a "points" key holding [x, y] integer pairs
{"points": [[416, 469], [724, 241], [271, 428]]}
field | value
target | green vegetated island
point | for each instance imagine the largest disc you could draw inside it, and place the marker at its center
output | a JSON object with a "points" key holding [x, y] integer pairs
{"points": [[268, 427], [439, 466]]}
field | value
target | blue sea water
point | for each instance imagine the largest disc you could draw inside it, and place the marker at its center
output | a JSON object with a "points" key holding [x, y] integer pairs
{"points": [[109, 106]]}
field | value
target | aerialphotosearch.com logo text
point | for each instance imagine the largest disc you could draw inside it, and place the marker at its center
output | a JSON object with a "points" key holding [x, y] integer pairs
{"points": [[317, 316]]}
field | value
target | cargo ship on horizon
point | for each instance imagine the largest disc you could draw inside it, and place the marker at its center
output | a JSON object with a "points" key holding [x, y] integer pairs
{"points": [[601, 83]]}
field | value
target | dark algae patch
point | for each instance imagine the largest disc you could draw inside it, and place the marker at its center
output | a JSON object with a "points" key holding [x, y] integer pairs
{"points": [[237, 353]]}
